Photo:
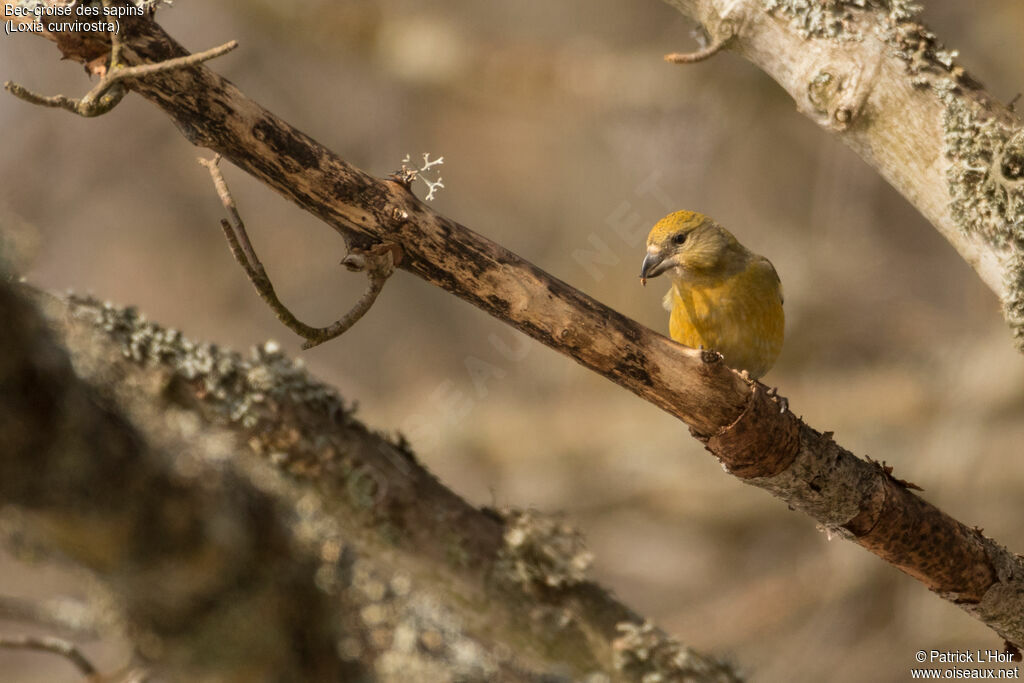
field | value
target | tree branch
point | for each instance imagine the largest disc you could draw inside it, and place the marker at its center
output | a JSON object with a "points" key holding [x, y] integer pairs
{"points": [[253, 528], [883, 84], [740, 425], [56, 646], [190, 562]]}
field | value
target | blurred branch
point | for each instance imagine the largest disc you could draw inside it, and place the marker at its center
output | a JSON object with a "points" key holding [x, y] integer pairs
{"points": [[252, 528], [880, 81], [737, 420], [56, 646]]}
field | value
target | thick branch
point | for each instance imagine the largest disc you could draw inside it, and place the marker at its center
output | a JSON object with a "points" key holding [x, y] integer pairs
{"points": [[883, 84], [128, 505], [253, 528], [741, 425]]}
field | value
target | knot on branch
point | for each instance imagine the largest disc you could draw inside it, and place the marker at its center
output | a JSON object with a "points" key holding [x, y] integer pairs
{"points": [[838, 89]]}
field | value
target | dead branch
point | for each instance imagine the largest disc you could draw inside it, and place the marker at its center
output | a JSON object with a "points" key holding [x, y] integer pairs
{"points": [[127, 504], [739, 423]]}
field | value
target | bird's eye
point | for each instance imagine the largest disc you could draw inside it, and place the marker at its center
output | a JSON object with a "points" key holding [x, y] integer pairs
{"points": [[679, 238]]}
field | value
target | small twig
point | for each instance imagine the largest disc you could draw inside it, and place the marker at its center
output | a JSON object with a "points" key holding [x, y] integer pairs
{"points": [[115, 43], [378, 263], [110, 90], [407, 175], [700, 55], [56, 646]]}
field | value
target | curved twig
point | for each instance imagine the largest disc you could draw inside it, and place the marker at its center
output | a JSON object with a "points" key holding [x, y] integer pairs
{"points": [[378, 263]]}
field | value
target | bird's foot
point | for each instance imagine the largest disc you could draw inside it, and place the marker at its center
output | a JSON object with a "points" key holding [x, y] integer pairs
{"points": [[773, 393]]}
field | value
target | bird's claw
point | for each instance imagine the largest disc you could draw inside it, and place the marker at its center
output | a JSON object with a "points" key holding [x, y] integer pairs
{"points": [[773, 393]]}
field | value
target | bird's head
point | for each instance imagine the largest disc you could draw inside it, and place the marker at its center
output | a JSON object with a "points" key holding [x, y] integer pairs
{"points": [[692, 245]]}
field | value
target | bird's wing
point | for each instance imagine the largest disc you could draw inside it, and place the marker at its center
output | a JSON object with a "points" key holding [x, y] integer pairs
{"points": [[766, 265]]}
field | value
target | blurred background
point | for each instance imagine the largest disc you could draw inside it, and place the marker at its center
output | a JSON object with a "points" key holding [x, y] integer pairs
{"points": [[563, 134]]}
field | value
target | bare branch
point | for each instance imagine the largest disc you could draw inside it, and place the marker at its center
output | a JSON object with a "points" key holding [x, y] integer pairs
{"points": [[56, 646], [301, 544], [110, 90], [378, 263], [706, 53]]}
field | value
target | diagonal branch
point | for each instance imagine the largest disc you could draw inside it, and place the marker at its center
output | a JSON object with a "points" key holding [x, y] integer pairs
{"points": [[250, 525], [872, 75], [64, 614], [737, 420]]}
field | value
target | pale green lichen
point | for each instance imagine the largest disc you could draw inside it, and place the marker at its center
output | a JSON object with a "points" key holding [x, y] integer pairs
{"points": [[834, 18], [41, 5], [985, 180], [235, 386], [412, 635], [543, 550], [644, 653], [986, 172], [894, 21], [1013, 302], [922, 52]]}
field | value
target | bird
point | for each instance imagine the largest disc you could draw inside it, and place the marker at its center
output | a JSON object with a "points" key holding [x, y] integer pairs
{"points": [[723, 297]]}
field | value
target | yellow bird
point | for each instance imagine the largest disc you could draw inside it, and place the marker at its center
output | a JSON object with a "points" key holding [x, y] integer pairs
{"points": [[723, 296]]}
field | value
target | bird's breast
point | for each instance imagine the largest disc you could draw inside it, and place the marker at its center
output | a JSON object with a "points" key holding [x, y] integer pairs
{"points": [[740, 316]]}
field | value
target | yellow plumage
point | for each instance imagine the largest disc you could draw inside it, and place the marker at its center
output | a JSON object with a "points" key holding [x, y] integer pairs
{"points": [[723, 296]]}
